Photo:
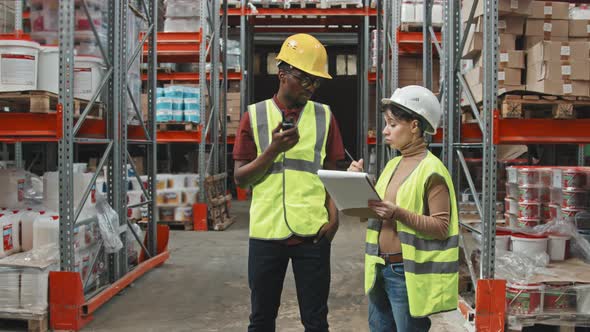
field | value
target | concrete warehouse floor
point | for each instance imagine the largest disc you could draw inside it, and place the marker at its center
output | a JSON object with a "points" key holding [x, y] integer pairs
{"points": [[204, 287]]}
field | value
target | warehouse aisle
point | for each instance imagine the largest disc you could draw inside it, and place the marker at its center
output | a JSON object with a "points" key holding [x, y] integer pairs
{"points": [[203, 287]]}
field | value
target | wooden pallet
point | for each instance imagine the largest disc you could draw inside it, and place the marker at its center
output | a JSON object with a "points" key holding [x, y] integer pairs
{"points": [[416, 27], [35, 322], [544, 106], [177, 126], [43, 102], [218, 202]]}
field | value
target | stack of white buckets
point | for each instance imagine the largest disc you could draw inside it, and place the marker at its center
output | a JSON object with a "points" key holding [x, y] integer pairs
{"points": [[25, 65]]}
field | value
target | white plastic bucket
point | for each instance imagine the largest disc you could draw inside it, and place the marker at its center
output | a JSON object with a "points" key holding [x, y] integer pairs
{"points": [[583, 299], [18, 65], [88, 72], [529, 245], [523, 299], [502, 241], [558, 247], [48, 69]]}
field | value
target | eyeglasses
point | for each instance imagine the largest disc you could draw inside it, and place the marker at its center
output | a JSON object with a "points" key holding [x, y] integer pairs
{"points": [[306, 81]]}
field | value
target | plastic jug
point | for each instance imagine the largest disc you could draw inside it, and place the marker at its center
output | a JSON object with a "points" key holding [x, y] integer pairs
{"points": [[27, 221], [45, 231], [9, 228]]}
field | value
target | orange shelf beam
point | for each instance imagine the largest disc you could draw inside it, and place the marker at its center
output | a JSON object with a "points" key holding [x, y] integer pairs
{"points": [[179, 136], [43, 127], [411, 42], [524, 131], [372, 77], [191, 77], [176, 46], [519, 131]]}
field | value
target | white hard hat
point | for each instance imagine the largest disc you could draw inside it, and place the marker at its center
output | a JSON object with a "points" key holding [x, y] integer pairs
{"points": [[420, 101]]}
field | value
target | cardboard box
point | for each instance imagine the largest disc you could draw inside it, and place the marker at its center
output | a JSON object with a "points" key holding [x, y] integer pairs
{"points": [[555, 51], [505, 7], [512, 59], [546, 28], [550, 10], [577, 70], [506, 76], [560, 88], [477, 92], [579, 28], [531, 41], [475, 44], [139, 164], [508, 24]]}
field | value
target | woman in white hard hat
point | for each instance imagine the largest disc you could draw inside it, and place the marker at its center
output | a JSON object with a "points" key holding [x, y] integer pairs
{"points": [[411, 257]]}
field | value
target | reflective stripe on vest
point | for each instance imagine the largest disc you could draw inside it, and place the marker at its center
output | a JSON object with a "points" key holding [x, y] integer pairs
{"points": [[290, 199], [431, 266]]}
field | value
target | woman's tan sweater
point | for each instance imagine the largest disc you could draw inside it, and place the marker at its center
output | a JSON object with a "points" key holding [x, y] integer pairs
{"points": [[435, 221]]}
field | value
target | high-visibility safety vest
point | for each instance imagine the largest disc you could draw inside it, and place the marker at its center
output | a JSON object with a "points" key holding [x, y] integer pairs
{"points": [[431, 266], [290, 199]]}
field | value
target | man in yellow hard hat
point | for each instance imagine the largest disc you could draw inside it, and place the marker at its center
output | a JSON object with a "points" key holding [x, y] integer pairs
{"points": [[281, 144]]}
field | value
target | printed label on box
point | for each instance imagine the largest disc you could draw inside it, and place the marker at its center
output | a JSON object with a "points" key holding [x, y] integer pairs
{"points": [[503, 57], [513, 4], [567, 88], [547, 27], [501, 76], [20, 189], [548, 10], [566, 70], [557, 179], [565, 50], [7, 237], [588, 28], [512, 175], [501, 24]]}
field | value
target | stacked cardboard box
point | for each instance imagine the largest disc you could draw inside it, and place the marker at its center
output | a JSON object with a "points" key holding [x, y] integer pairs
{"points": [[559, 68], [233, 108], [579, 24], [511, 65], [557, 50], [411, 71], [552, 36], [548, 21]]}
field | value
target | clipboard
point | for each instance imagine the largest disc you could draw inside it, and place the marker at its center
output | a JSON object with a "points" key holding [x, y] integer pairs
{"points": [[350, 191]]}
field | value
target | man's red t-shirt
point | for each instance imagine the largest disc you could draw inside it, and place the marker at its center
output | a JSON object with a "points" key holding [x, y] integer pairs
{"points": [[245, 147]]}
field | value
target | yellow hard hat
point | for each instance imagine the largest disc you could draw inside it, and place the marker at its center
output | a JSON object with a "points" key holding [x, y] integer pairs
{"points": [[306, 53]]}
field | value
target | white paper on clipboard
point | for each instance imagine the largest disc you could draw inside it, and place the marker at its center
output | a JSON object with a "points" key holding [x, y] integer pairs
{"points": [[350, 191]]}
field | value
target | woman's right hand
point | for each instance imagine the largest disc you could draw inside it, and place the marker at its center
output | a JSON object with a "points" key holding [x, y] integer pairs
{"points": [[356, 166]]}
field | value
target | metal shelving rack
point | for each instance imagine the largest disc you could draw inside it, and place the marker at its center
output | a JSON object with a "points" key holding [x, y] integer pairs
{"points": [[486, 134], [71, 301]]}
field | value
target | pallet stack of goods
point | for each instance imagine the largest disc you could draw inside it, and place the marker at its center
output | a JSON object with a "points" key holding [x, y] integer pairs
{"points": [[233, 108], [176, 194], [557, 61], [412, 15], [511, 58], [182, 16], [546, 219], [543, 61], [178, 104], [30, 68], [29, 222]]}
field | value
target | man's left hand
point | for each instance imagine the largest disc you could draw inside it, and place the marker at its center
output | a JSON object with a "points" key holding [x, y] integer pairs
{"points": [[328, 230]]}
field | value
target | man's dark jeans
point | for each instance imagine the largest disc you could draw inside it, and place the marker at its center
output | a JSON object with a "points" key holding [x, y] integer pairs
{"points": [[267, 264]]}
